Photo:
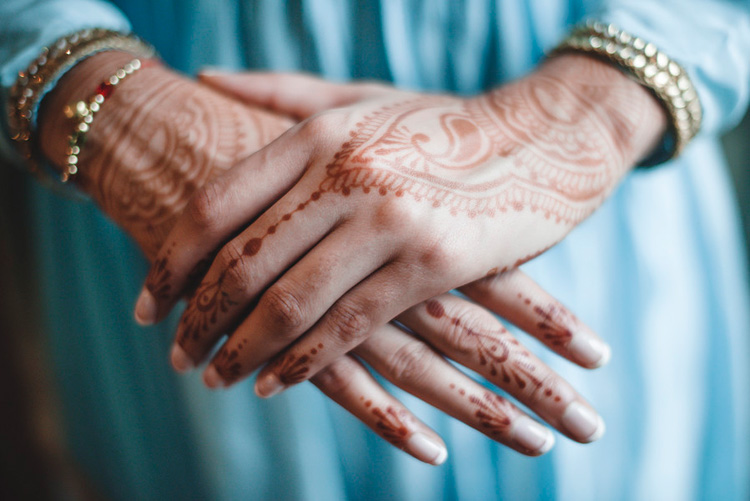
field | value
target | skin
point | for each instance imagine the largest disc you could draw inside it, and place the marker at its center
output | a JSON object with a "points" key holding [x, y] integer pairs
{"points": [[393, 198], [154, 147]]}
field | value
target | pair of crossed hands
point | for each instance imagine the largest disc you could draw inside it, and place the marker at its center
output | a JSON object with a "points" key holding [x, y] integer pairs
{"points": [[320, 226]]}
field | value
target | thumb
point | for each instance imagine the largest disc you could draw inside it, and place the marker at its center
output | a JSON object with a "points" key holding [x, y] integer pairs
{"points": [[293, 94]]}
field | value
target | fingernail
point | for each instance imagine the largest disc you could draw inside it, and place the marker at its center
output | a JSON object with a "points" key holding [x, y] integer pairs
{"points": [[180, 360], [268, 386], [589, 350], [212, 379], [145, 308], [426, 449], [583, 423], [532, 436]]}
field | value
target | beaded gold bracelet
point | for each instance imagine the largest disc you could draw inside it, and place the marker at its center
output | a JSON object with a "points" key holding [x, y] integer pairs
{"points": [[44, 72], [83, 112], [650, 67]]}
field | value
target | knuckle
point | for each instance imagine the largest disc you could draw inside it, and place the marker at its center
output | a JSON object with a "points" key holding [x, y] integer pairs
{"points": [[284, 307], [349, 322], [337, 378], [204, 207], [437, 254], [411, 363], [317, 126], [402, 218]]}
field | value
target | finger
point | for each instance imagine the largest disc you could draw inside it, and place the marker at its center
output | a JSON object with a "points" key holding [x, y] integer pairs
{"points": [[416, 368], [292, 94], [294, 302], [474, 337], [213, 215], [350, 320], [350, 385], [518, 299], [242, 270]]}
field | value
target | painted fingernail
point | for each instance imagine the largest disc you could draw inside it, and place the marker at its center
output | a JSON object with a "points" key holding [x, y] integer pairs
{"points": [[180, 360], [426, 449], [583, 423], [145, 308], [212, 379], [268, 386], [532, 436], [589, 350]]}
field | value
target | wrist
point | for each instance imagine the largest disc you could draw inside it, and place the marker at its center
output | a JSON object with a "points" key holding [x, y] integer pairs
{"points": [[77, 85], [611, 94]]}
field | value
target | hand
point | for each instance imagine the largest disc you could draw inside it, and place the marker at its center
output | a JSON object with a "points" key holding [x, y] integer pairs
{"points": [[148, 152], [392, 200], [160, 136], [412, 358], [157, 139]]}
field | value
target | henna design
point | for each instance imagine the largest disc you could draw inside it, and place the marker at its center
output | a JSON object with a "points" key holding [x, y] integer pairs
{"points": [[493, 411], [227, 365], [293, 369], [498, 350], [390, 425], [555, 324], [209, 300], [157, 281], [563, 151], [166, 136], [564, 157]]}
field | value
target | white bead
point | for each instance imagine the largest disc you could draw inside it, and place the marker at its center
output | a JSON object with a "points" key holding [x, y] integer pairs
{"points": [[661, 79]]}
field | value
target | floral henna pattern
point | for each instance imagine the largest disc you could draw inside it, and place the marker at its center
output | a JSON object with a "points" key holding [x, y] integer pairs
{"points": [[293, 369], [157, 281], [390, 425], [208, 302], [497, 350], [556, 323], [227, 364], [492, 411]]}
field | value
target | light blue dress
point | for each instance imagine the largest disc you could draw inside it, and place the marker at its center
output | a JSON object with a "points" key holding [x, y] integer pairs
{"points": [[658, 271]]}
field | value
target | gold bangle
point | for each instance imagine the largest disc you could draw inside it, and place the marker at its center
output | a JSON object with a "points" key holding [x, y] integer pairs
{"points": [[650, 67], [45, 71]]}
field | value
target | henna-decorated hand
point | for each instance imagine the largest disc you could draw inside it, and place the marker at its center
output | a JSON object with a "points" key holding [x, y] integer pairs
{"points": [[412, 358], [158, 138], [391, 201]]}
